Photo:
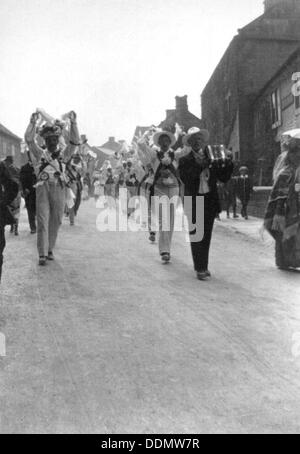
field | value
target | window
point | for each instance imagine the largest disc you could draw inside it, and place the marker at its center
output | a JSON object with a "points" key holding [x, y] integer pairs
{"points": [[275, 109], [296, 90], [228, 102], [13, 150], [257, 121]]}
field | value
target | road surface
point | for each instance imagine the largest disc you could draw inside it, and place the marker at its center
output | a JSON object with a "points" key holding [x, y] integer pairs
{"points": [[108, 340]]}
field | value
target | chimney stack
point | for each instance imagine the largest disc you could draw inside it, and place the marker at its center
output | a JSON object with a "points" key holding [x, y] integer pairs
{"points": [[181, 103], [170, 112]]}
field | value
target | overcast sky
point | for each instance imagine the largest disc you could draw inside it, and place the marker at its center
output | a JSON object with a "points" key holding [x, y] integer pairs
{"points": [[117, 63]]}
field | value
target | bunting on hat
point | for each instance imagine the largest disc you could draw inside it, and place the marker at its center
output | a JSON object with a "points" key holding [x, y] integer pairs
{"points": [[49, 130]]}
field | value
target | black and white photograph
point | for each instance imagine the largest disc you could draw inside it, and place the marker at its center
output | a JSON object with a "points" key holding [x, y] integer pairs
{"points": [[149, 219]]}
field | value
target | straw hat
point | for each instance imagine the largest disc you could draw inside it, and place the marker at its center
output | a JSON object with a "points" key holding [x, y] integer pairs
{"points": [[194, 130], [293, 134], [49, 130], [158, 135]]}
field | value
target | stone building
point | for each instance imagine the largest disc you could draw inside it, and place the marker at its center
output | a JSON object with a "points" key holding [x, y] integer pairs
{"points": [[253, 57], [10, 145], [180, 115], [275, 110]]}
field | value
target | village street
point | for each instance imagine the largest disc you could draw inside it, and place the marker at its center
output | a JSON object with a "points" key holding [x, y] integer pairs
{"points": [[106, 339]]}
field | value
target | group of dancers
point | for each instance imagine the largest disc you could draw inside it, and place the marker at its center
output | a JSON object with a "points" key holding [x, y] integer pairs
{"points": [[163, 164]]}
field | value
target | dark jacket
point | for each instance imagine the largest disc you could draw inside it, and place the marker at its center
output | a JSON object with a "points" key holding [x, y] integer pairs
{"points": [[27, 179], [244, 188], [8, 192], [189, 171], [14, 172]]}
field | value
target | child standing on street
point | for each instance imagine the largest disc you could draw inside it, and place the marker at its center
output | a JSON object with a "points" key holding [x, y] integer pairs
{"points": [[244, 189]]}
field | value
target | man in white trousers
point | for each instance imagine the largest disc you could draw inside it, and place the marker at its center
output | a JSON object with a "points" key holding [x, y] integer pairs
{"points": [[52, 182]]}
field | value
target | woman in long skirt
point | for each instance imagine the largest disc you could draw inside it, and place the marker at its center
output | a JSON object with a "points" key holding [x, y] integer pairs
{"points": [[282, 218]]}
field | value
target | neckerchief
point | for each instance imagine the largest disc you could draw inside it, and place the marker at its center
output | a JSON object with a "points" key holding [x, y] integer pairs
{"points": [[170, 167]]}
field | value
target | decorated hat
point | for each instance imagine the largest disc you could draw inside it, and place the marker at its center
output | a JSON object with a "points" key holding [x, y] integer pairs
{"points": [[49, 130], [293, 134], [159, 134], [195, 130]]}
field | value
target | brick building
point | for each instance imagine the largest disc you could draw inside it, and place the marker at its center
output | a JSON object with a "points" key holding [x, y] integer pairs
{"points": [[180, 115], [10, 145], [275, 111], [253, 57]]}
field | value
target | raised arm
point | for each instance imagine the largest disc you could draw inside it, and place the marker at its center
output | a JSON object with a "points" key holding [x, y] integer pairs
{"points": [[180, 152], [74, 137], [146, 154], [30, 138]]}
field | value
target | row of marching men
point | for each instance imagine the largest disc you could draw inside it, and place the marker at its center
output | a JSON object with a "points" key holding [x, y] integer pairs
{"points": [[108, 180], [57, 163], [193, 167], [200, 170], [127, 172], [162, 165]]}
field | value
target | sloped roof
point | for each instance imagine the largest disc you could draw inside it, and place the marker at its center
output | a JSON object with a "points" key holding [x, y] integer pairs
{"points": [[285, 65], [101, 156], [274, 24], [7, 132], [280, 21], [185, 119], [110, 146]]}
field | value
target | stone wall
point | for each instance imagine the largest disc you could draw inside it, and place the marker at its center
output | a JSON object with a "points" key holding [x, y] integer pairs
{"points": [[266, 141]]}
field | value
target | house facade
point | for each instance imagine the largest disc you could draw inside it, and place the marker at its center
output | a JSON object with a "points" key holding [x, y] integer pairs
{"points": [[10, 145], [249, 63], [276, 110], [180, 115]]}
